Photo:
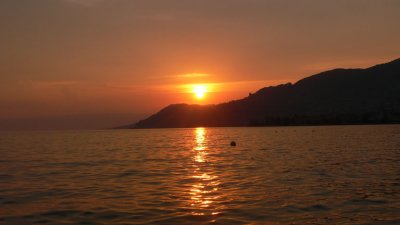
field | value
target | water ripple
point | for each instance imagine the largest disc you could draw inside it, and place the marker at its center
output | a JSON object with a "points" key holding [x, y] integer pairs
{"points": [[291, 175]]}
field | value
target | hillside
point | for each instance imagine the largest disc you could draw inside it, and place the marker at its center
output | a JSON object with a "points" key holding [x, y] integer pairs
{"points": [[339, 96]]}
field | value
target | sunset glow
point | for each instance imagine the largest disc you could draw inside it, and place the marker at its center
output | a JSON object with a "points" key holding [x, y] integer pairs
{"points": [[199, 91], [200, 112]]}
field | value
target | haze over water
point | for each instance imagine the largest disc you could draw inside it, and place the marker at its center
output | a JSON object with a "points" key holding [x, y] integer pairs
{"points": [[284, 175]]}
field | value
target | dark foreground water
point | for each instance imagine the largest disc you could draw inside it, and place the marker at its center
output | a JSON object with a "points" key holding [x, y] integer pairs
{"points": [[291, 175]]}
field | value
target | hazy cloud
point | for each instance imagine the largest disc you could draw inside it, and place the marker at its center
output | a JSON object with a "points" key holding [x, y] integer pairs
{"points": [[85, 2]]}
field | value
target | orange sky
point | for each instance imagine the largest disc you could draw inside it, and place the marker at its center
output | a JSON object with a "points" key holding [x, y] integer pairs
{"points": [[114, 57]]}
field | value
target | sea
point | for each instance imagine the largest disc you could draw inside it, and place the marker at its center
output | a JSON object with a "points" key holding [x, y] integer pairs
{"points": [[274, 175]]}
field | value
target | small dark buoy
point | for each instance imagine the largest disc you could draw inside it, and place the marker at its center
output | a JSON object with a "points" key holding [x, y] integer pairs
{"points": [[233, 143]]}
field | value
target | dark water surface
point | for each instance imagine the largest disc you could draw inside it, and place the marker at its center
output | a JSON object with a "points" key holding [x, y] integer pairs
{"points": [[287, 175]]}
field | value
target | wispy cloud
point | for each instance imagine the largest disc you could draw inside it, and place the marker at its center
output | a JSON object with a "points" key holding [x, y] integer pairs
{"points": [[85, 2], [181, 76], [87, 86], [247, 85]]}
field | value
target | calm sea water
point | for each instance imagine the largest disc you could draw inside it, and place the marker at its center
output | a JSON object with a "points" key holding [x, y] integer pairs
{"points": [[286, 175]]}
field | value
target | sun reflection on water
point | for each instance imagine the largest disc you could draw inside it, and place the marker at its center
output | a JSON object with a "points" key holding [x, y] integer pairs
{"points": [[203, 192]]}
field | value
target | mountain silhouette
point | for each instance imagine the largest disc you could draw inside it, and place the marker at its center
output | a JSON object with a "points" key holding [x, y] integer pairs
{"points": [[339, 96]]}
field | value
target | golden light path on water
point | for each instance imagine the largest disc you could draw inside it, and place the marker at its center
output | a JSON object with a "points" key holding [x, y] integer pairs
{"points": [[204, 190], [193, 176]]}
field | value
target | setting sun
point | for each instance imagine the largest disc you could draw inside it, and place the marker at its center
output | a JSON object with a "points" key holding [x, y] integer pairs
{"points": [[199, 91]]}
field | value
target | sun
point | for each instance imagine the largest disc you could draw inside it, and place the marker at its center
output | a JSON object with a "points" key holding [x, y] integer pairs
{"points": [[199, 91]]}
